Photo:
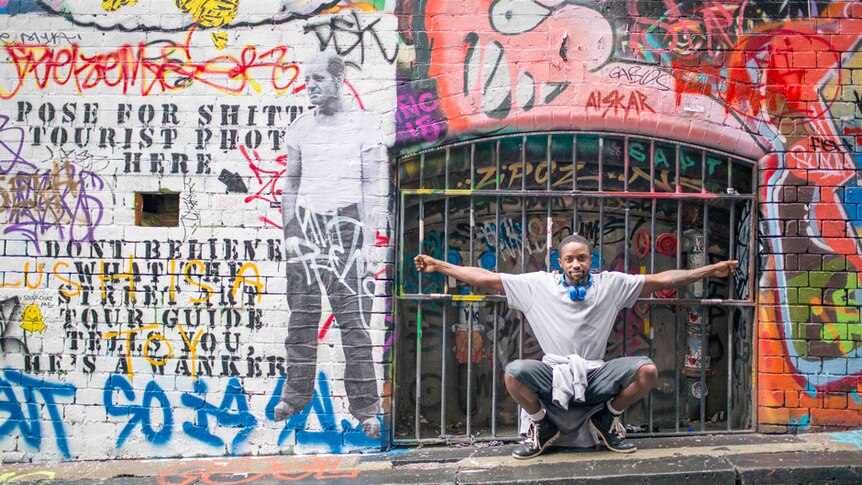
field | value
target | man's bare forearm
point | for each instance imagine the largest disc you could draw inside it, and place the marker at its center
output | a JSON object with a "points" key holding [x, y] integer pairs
{"points": [[471, 275], [681, 277]]}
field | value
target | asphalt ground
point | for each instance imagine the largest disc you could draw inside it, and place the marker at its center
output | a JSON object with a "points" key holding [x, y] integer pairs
{"points": [[751, 458]]}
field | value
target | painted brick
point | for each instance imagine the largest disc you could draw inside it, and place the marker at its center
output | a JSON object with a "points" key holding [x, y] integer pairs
{"points": [[824, 349], [853, 195], [771, 348], [771, 428], [780, 382], [834, 400], [767, 415], [806, 194], [769, 330], [771, 398], [806, 400], [770, 365], [826, 279], [793, 244], [835, 417], [834, 263], [791, 399], [810, 295]]}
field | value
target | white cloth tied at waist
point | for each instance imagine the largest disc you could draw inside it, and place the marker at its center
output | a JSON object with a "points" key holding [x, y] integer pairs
{"points": [[570, 377]]}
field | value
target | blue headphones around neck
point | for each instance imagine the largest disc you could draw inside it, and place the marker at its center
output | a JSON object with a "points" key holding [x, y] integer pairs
{"points": [[577, 292]]}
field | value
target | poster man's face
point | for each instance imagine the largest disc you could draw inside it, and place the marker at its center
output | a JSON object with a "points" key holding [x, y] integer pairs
{"points": [[322, 86]]}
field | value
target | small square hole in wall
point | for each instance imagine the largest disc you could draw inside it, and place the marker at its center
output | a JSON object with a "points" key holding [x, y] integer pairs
{"points": [[157, 209]]}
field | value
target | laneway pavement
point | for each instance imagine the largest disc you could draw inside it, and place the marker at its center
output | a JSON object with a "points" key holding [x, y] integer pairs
{"points": [[813, 458]]}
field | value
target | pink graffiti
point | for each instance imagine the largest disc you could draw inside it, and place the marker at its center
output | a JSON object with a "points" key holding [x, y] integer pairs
{"points": [[416, 114], [709, 28]]}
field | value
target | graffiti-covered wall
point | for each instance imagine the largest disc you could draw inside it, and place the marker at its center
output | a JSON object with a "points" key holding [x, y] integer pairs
{"points": [[198, 219], [196, 227], [775, 82]]}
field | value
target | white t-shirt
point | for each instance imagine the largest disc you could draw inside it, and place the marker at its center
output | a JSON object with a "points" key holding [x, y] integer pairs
{"points": [[331, 156], [563, 326]]}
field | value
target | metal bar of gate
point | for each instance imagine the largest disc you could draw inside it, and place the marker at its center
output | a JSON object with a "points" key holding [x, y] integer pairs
{"points": [[470, 307], [686, 196], [523, 264], [731, 321], [497, 202], [576, 200], [601, 201], [549, 229], [704, 342], [444, 358], [396, 305], [418, 396], [704, 337], [677, 360], [494, 361], [652, 246]]}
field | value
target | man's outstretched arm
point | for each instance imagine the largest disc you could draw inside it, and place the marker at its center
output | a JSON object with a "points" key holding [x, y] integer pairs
{"points": [[471, 275], [680, 277]]}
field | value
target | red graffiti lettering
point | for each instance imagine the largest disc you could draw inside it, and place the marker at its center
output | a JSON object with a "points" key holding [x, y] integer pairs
{"points": [[137, 68], [617, 102]]}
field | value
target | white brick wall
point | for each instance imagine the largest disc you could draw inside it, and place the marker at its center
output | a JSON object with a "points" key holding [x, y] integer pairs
{"points": [[75, 347]]}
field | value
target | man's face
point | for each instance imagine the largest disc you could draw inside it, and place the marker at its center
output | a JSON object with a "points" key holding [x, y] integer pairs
{"points": [[575, 259], [322, 87]]}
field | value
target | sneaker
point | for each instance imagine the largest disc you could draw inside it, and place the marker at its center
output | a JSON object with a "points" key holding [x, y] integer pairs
{"points": [[283, 410], [610, 429], [540, 435], [371, 427]]}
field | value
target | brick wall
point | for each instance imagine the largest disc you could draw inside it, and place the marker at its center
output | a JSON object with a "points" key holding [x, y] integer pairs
{"points": [[124, 338]]}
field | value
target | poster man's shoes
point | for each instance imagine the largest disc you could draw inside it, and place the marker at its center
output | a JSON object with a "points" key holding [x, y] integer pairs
{"points": [[283, 410], [609, 427], [540, 435]]}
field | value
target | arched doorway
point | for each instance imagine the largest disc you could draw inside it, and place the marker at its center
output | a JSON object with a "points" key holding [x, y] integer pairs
{"points": [[646, 204]]}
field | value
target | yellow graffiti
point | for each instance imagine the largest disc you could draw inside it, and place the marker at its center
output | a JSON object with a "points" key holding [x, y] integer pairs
{"points": [[193, 347], [211, 13], [128, 348], [112, 5], [42, 476], [15, 284], [361, 6], [187, 271], [163, 360], [33, 319], [240, 279], [130, 276]]}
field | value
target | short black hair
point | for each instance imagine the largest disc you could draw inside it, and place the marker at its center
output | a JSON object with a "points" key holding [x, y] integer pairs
{"points": [[573, 238]]}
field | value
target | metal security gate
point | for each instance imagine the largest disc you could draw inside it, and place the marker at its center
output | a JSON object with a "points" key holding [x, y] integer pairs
{"points": [[646, 204]]}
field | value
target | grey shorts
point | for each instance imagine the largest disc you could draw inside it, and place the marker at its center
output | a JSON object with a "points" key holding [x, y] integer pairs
{"points": [[603, 384]]}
